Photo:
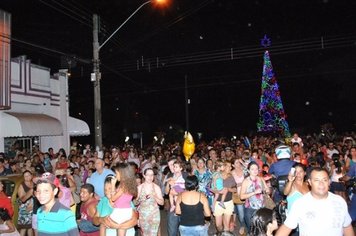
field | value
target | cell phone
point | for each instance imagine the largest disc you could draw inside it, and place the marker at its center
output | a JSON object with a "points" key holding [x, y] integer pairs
{"points": [[292, 171]]}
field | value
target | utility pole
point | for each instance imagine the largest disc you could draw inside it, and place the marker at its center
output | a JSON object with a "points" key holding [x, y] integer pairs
{"points": [[95, 78]]}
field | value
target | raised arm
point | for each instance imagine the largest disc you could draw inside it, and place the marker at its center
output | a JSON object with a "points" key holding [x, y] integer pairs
{"points": [[288, 187]]}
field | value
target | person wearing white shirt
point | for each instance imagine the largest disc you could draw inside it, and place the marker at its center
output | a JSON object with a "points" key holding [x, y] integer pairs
{"points": [[331, 150], [318, 212], [297, 139]]}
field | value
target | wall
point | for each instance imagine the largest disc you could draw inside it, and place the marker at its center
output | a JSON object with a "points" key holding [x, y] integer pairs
{"points": [[34, 90]]}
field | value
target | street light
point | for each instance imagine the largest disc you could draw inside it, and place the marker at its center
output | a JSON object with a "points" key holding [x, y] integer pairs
{"points": [[96, 75]]}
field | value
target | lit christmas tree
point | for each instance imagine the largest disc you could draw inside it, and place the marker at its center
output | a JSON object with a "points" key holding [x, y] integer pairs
{"points": [[272, 116]]}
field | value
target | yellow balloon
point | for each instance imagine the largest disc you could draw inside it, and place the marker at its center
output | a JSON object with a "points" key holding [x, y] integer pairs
{"points": [[188, 146]]}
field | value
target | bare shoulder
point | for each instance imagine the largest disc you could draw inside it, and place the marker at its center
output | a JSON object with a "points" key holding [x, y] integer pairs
{"points": [[203, 197]]}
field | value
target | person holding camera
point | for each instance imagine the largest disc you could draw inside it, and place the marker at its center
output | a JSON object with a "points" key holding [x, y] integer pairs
{"points": [[252, 189], [350, 158], [296, 186], [337, 171], [350, 178]]}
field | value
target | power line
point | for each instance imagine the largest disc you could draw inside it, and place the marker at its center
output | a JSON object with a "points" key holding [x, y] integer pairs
{"points": [[84, 22], [83, 60], [256, 79], [237, 53]]}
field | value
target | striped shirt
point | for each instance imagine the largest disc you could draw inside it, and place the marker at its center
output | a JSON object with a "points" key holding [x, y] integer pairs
{"points": [[59, 221]]}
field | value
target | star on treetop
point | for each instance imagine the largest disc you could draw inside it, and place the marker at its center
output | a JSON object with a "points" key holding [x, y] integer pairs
{"points": [[266, 42]]}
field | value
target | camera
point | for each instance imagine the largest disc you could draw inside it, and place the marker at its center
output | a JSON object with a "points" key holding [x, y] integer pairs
{"points": [[351, 184]]}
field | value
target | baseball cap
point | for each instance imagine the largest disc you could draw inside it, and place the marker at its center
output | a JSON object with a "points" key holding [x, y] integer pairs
{"points": [[50, 178]]}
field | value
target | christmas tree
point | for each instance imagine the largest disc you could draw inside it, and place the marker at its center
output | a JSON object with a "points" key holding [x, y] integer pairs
{"points": [[272, 115]]}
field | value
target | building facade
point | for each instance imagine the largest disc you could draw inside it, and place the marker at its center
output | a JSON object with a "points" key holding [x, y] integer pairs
{"points": [[39, 110]]}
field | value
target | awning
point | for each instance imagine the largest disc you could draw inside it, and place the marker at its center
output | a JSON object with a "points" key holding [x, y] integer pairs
{"points": [[77, 127], [29, 124]]}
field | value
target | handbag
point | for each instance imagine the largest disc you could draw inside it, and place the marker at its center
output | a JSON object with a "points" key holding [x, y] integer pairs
{"points": [[267, 200], [236, 199]]}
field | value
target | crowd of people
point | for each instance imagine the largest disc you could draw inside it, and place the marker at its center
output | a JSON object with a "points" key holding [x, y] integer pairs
{"points": [[238, 185]]}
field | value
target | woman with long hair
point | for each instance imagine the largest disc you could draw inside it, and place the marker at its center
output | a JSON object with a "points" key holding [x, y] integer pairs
{"points": [[65, 196], [263, 222], [238, 174], [25, 200], [337, 171], [193, 208], [149, 196], [296, 186], [123, 195], [252, 189], [204, 176], [28, 166]]}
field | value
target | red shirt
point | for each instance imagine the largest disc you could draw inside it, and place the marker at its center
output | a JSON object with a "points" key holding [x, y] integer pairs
{"points": [[5, 202], [62, 165], [84, 209]]}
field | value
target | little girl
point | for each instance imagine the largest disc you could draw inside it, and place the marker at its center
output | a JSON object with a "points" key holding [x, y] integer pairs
{"points": [[65, 195], [177, 184], [217, 184], [7, 228], [122, 197]]}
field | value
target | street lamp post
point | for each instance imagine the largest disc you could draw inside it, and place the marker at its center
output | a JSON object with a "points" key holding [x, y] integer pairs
{"points": [[96, 75]]}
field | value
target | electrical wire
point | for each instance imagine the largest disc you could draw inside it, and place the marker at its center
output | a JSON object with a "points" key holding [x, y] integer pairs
{"points": [[284, 78], [84, 22], [83, 60], [237, 53], [86, 61]]}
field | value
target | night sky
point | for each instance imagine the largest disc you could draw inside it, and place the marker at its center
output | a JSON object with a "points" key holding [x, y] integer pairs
{"points": [[214, 44]]}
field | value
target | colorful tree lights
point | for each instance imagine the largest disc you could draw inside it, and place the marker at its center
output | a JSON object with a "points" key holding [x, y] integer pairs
{"points": [[272, 116]]}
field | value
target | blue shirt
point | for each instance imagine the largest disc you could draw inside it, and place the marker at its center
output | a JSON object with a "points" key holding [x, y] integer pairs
{"points": [[97, 180], [281, 167], [59, 221], [352, 171], [104, 207]]}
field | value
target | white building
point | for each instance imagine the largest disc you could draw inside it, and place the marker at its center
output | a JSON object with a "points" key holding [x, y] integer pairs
{"points": [[34, 106], [39, 113]]}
